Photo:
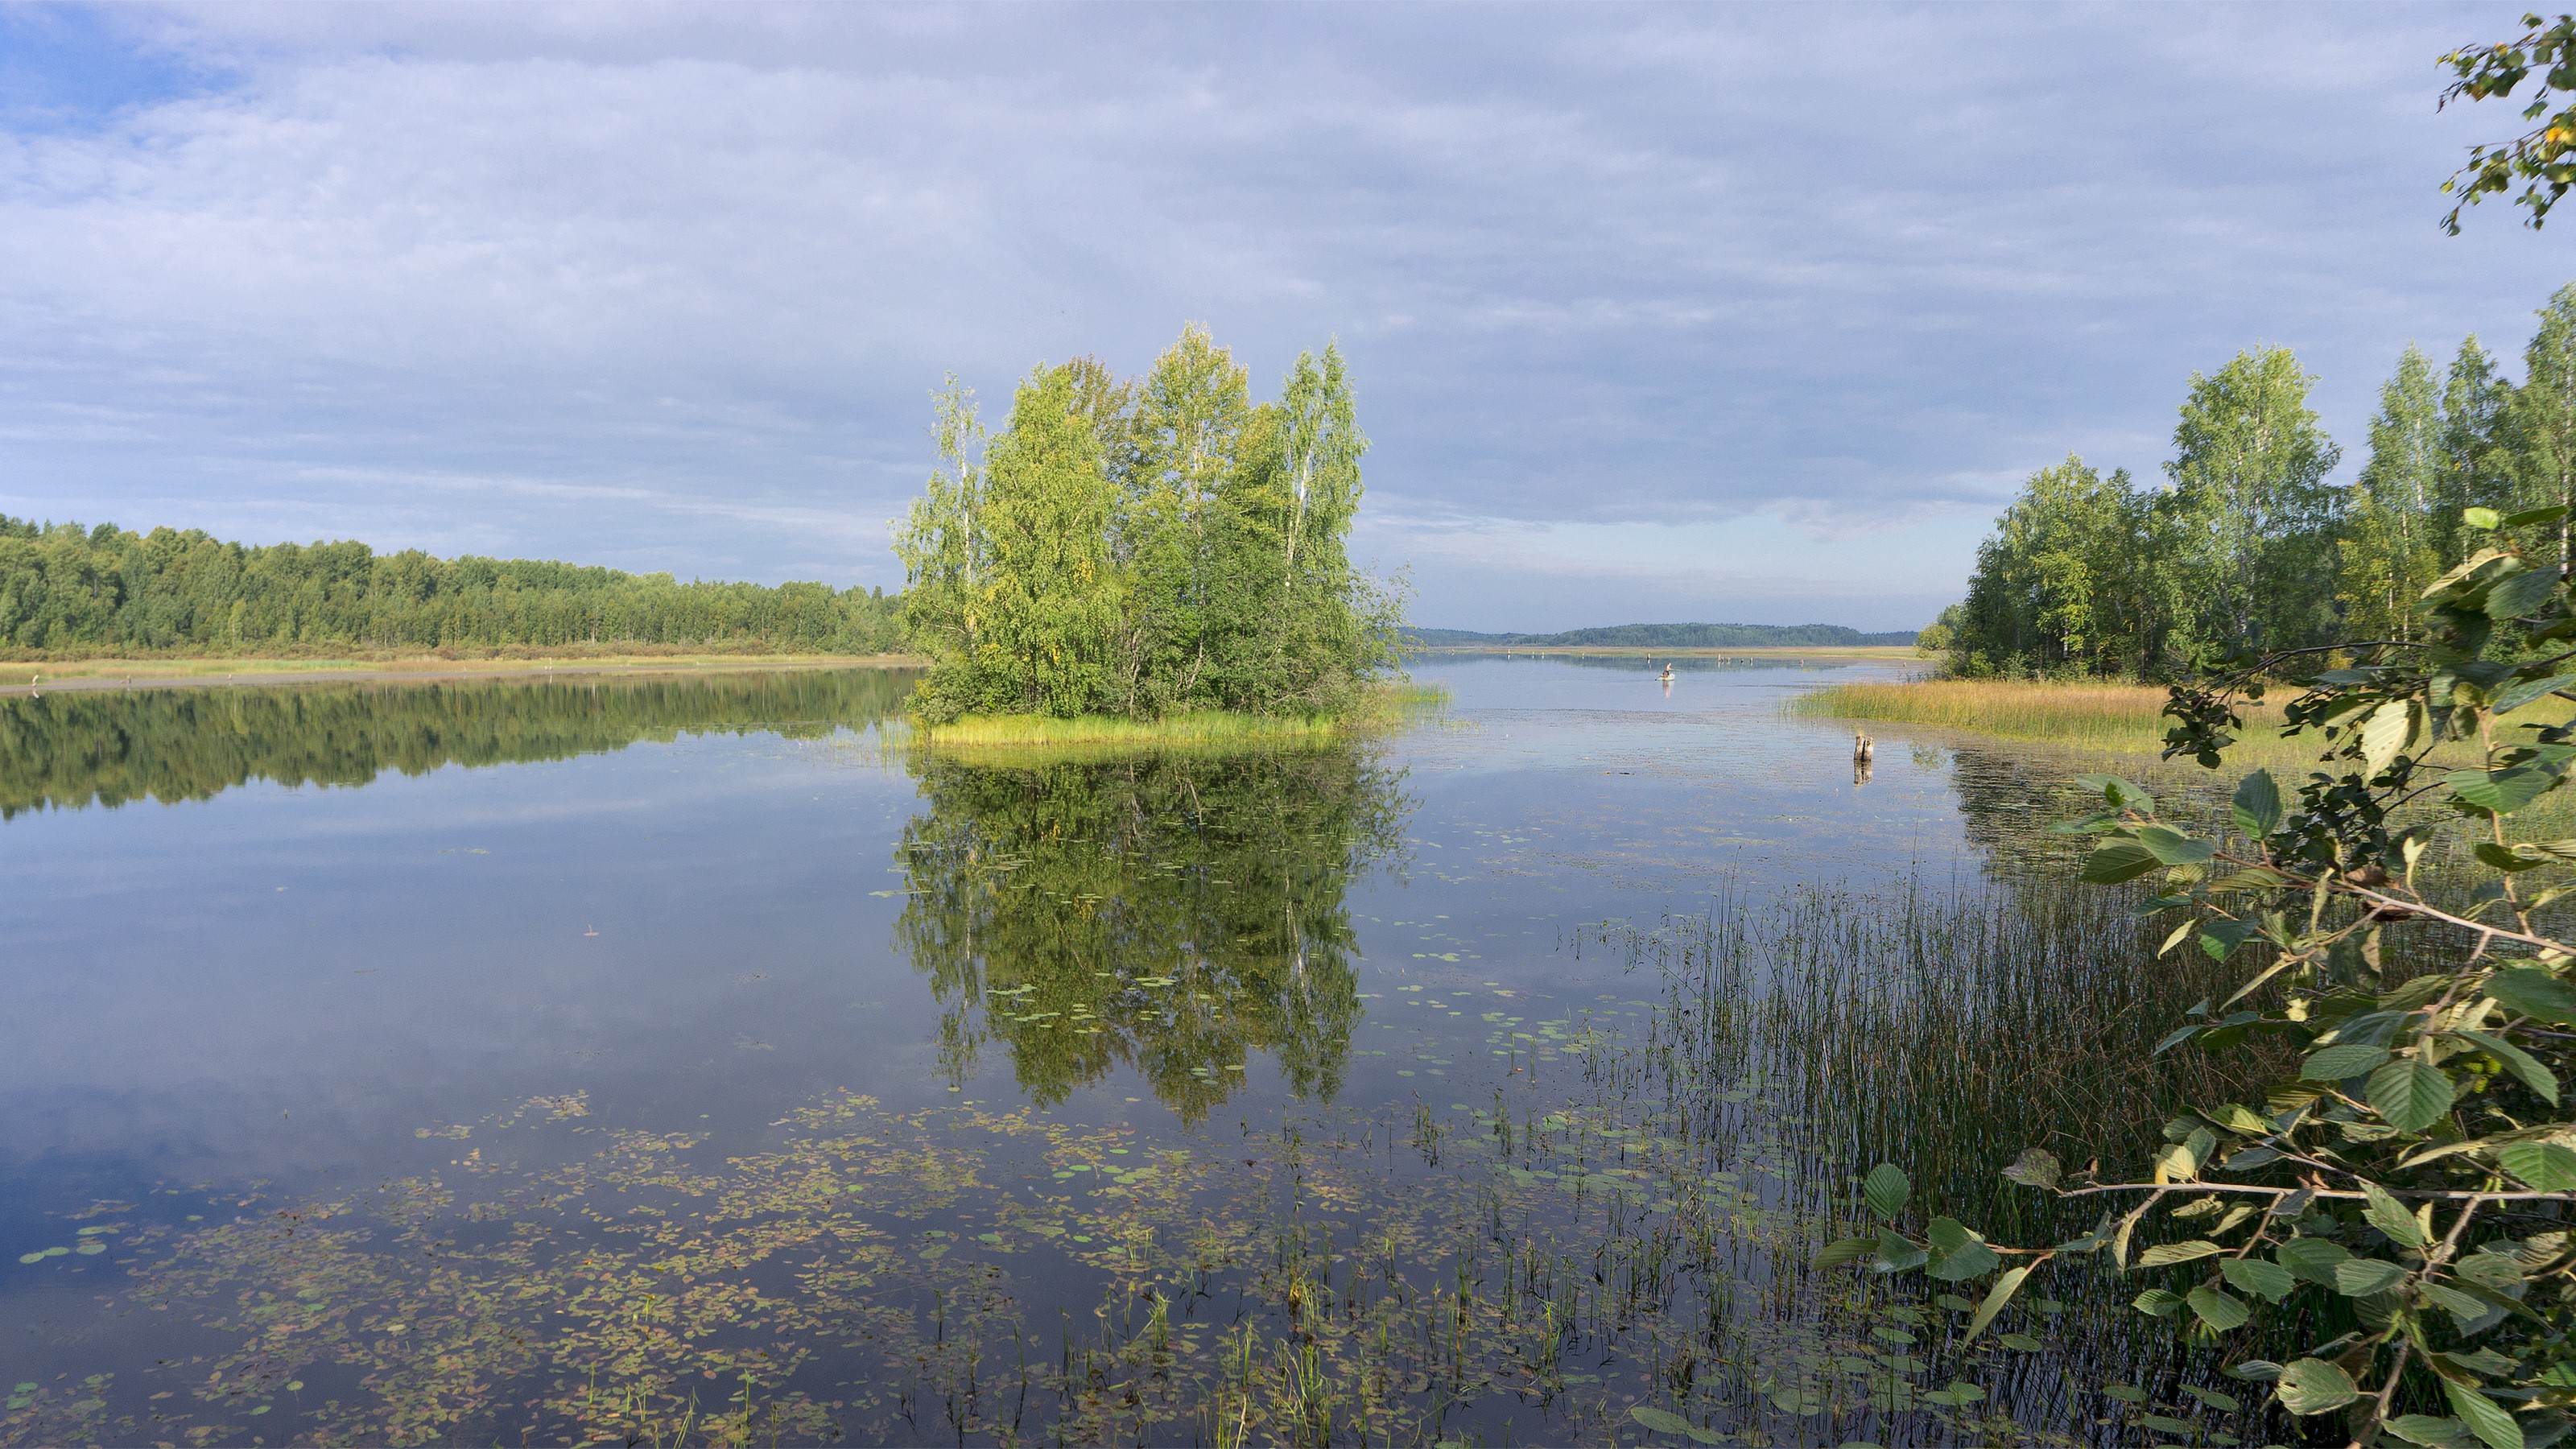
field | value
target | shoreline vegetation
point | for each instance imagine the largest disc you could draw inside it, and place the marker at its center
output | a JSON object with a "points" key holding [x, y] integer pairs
{"points": [[365, 667], [1008, 737], [2101, 715], [69, 592]]}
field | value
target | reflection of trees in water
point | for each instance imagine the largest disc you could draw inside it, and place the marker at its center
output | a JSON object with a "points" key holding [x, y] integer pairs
{"points": [[1171, 913], [96, 747]]}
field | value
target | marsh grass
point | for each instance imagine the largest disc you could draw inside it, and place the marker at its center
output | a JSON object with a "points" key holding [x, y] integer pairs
{"points": [[2109, 716]]}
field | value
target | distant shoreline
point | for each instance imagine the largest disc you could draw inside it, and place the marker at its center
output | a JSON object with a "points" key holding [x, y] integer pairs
{"points": [[98, 674], [1763, 651]]}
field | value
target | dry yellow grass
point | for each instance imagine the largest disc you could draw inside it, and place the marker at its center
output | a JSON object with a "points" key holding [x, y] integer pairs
{"points": [[1044, 737], [2104, 716]]}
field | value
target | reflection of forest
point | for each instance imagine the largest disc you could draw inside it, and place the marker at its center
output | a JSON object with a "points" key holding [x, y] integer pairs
{"points": [[94, 747], [1171, 913]]}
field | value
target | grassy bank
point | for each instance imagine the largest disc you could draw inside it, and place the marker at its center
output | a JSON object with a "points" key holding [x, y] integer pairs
{"points": [[1200, 731], [2104, 716]]}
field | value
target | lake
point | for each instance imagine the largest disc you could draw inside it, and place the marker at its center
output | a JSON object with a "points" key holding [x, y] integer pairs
{"points": [[650, 1060]]}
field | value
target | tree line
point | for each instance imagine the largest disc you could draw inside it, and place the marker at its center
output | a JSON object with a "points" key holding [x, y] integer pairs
{"points": [[1147, 546], [2244, 541], [105, 590]]}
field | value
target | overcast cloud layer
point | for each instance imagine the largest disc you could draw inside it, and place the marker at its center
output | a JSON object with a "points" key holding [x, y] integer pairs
{"points": [[1745, 313]]}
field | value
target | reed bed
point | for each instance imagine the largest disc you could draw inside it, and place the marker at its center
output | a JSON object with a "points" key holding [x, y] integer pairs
{"points": [[2110, 716]]}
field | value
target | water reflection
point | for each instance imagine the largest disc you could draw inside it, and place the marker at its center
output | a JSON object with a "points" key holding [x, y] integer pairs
{"points": [[1173, 914], [94, 747]]}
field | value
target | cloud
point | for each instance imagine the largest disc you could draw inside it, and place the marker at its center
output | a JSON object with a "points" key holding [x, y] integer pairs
{"points": [[1708, 269]]}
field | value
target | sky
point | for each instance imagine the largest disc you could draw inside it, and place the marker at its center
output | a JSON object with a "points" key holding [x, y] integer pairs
{"points": [[1751, 313]]}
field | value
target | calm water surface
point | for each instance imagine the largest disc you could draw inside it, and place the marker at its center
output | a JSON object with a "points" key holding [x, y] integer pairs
{"points": [[327, 1002]]}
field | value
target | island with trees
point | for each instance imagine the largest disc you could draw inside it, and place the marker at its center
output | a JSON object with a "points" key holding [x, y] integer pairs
{"points": [[1150, 556]]}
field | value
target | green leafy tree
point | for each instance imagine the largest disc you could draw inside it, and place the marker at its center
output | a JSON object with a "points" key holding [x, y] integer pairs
{"points": [[2250, 523], [2060, 587], [2390, 550], [2477, 467], [2540, 423], [1149, 547], [2542, 160]]}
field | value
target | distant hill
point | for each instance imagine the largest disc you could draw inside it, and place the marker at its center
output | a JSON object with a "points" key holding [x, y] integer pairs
{"points": [[1669, 636]]}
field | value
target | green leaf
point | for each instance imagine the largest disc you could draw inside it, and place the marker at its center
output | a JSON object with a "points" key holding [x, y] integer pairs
{"points": [[2486, 518], [1996, 1297], [2125, 1393], [2166, 1254], [1885, 1189], [1846, 1250], [1957, 1254], [2425, 1429], [2525, 1067], [2531, 517], [2387, 732], [2171, 847], [2410, 1094], [2522, 593], [2313, 1258], [2258, 804], [2336, 1063], [2390, 1216], [2500, 792], [2223, 1403], [2263, 1280], [2528, 990], [1662, 1421], [2528, 690], [2485, 1417], [2157, 1303], [2312, 1386], [2216, 1309], [2117, 793], [2114, 861], [2020, 1342], [2036, 1167], [1896, 1255], [2361, 1277], [2546, 1166], [2503, 857], [2168, 1424]]}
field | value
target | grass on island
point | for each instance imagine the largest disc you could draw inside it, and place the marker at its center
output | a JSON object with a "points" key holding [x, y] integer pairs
{"points": [[1200, 731]]}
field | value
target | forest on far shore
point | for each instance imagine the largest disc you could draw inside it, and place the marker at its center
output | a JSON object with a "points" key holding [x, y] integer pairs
{"points": [[70, 591]]}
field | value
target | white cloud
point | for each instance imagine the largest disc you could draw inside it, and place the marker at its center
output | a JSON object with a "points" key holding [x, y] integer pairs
{"points": [[687, 273]]}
